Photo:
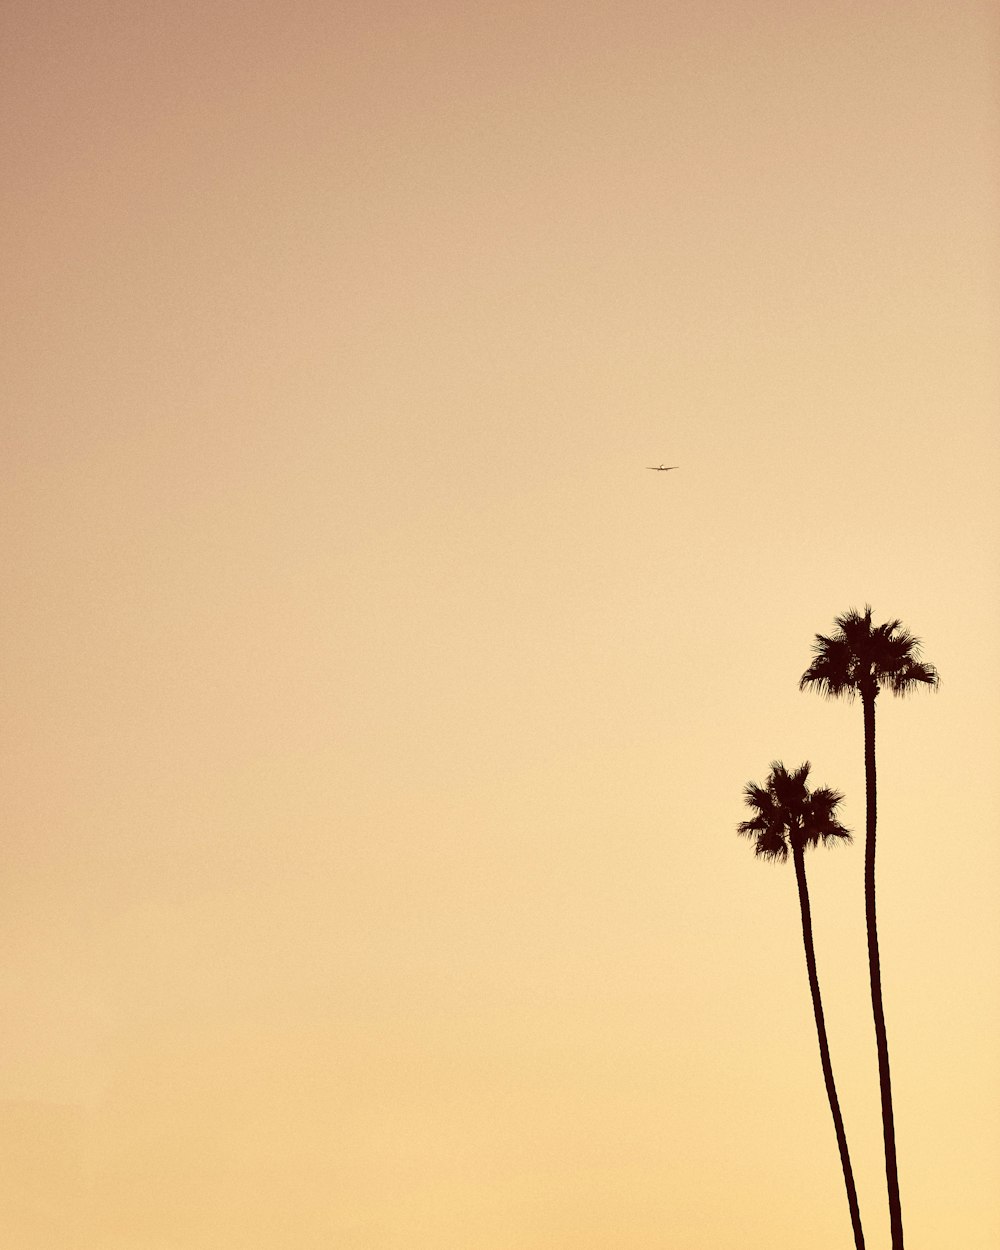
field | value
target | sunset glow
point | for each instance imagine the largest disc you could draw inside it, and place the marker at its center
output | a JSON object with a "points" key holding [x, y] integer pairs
{"points": [[375, 723]]}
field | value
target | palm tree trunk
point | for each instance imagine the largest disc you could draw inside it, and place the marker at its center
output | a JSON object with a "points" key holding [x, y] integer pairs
{"points": [[875, 976], [798, 857]]}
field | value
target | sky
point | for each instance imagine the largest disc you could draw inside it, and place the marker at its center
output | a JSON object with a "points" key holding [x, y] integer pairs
{"points": [[375, 723]]}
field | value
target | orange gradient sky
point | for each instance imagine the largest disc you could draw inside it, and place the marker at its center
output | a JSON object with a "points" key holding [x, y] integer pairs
{"points": [[375, 725]]}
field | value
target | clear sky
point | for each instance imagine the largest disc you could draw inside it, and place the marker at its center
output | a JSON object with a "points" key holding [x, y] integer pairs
{"points": [[375, 724]]}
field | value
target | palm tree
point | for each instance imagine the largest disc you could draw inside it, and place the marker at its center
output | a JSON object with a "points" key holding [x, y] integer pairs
{"points": [[788, 816], [862, 659]]}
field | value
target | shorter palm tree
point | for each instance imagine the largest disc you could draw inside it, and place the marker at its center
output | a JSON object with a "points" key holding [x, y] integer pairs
{"points": [[788, 816]]}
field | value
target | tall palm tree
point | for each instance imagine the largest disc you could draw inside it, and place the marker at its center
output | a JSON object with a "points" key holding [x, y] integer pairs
{"points": [[788, 816], [862, 659]]}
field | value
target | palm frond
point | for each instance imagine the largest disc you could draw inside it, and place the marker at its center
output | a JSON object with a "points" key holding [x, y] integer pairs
{"points": [[825, 800], [910, 675], [822, 824], [833, 668], [757, 796], [789, 790], [771, 844], [751, 828]]}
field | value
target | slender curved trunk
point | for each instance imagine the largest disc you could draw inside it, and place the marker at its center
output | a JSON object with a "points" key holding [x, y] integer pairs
{"points": [[798, 858], [875, 976]]}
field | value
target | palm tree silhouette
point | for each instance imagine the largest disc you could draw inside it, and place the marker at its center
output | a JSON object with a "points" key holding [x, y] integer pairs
{"points": [[788, 816], [862, 659]]}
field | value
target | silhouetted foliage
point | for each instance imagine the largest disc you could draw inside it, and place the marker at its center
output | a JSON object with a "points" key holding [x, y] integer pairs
{"points": [[860, 658], [789, 815]]}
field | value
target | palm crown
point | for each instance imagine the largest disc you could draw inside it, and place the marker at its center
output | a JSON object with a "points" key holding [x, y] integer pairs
{"points": [[790, 816], [860, 658]]}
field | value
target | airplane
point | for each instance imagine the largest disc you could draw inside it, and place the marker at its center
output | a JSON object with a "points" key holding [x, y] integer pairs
{"points": [[662, 468]]}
